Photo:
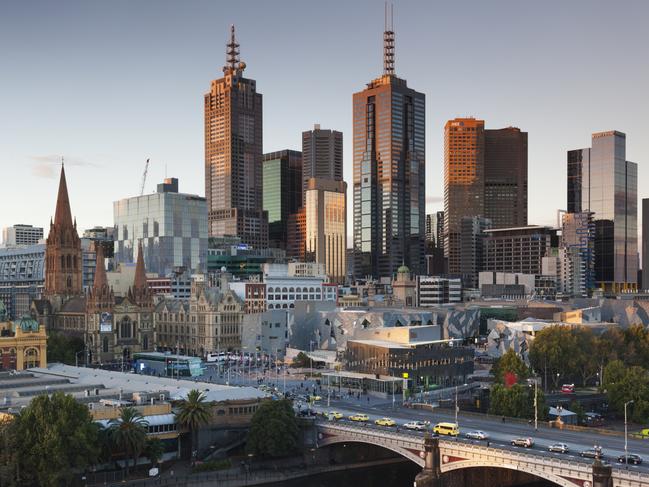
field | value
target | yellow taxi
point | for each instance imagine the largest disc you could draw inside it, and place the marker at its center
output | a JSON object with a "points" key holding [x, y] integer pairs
{"points": [[385, 422], [359, 417], [334, 415]]}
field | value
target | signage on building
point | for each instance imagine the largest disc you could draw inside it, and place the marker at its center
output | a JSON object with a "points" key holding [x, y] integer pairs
{"points": [[106, 322]]}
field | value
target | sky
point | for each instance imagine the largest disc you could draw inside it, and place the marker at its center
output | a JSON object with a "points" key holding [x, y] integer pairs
{"points": [[107, 85]]}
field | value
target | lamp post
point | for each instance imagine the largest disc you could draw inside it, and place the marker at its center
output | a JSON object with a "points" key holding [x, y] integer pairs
{"points": [[626, 452], [456, 406]]}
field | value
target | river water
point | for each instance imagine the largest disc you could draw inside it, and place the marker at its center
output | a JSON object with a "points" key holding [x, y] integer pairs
{"points": [[395, 475]]}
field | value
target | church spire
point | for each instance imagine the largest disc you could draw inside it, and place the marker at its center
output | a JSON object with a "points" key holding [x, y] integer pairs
{"points": [[140, 273], [63, 215], [388, 41], [100, 271]]}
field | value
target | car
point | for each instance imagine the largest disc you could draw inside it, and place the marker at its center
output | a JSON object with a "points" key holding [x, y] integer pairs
{"points": [[385, 422], [524, 442], [415, 425], [477, 435], [592, 453], [449, 429], [559, 448], [316, 398], [335, 415], [631, 458], [359, 417]]}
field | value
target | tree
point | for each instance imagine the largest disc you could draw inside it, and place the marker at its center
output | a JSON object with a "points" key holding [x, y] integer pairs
{"points": [[54, 440], [624, 384], [63, 348], [516, 401], [194, 412], [128, 433], [301, 360], [153, 450], [274, 431], [510, 365], [555, 353], [9, 459]]}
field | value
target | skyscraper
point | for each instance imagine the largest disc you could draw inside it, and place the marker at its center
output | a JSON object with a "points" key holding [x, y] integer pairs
{"points": [[63, 262], [233, 153], [485, 175], [326, 226], [645, 244], [322, 155], [21, 235], [602, 181], [389, 173], [282, 180]]}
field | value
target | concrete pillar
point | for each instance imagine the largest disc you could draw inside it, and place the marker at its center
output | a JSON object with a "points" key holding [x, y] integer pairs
{"points": [[602, 474], [431, 475]]}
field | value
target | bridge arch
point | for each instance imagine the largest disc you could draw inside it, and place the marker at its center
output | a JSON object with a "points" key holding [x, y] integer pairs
{"points": [[407, 453], [549, 476]]}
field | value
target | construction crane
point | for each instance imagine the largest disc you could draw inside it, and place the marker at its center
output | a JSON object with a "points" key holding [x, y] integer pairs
{"points": [[146, 171]]}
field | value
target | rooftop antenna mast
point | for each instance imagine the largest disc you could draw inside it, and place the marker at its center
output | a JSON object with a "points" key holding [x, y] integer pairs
{"points": [[388, 41], [232, 53]]}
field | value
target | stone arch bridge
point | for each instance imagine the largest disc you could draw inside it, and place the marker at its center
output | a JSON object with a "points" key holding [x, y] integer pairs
{"points": [[438, 456]]}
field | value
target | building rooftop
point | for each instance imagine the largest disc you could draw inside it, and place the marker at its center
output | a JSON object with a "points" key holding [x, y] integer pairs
{"points": [[389, 344]]}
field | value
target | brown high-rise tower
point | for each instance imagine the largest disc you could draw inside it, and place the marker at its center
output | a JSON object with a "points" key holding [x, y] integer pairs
{"points": [[233, 155], [63, 268]]}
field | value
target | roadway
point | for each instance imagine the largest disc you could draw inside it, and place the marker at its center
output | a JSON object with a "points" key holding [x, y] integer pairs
{"points": [[501, 434]]}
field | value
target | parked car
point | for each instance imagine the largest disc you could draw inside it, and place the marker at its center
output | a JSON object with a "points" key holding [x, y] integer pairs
{"points": [[415, 425], [524, 442], [385, 422], [477, 435], [592, 453], [559, 448], [631, 458]]}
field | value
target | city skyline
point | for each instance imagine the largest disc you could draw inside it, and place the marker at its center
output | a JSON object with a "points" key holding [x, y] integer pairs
{"points": [[557, 111]]}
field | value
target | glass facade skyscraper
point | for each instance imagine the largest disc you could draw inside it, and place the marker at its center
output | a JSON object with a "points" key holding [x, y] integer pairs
{"points": [[282, 196], [389, 174], [603, 182], [172, 227], [322, 155]]}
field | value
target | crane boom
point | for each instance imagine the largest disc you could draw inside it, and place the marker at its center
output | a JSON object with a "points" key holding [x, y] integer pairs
{"points": [[146, 171]]}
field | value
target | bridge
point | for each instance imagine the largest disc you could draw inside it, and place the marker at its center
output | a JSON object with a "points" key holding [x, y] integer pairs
{"points": [[437, 456]]}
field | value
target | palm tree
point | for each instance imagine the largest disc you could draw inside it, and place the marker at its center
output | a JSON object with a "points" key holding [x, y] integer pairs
{"points": [[128, 433], [193, 412]]}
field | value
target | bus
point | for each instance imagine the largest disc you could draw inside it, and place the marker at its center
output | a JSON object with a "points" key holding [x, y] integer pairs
{"points": [[167, 364]]}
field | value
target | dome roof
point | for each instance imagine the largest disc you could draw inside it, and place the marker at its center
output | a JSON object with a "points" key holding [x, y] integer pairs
{"points": [[403, 270]]}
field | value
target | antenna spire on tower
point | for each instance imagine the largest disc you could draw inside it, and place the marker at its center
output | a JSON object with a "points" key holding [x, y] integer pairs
{"points": [[232, 53], [388, 40]]}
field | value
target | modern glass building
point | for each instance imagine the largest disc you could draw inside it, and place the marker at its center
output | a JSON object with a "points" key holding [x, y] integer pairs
{"points": [[282, 193], [326, 226], [22, 276], [645, 244], [322, 155], [389, 174], [172, 227], [601, 181]]}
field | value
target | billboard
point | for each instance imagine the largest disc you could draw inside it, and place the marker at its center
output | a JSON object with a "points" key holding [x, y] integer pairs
{"points": [[106, 322]]}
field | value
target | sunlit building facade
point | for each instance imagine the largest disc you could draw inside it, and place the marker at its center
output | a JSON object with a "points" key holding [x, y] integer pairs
{"points": [[326, 226], [322, 155], [601, 181]]}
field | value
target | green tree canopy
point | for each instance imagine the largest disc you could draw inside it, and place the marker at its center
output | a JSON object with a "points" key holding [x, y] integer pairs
{"points": [[54, 440], [510, 363], [63, 348], [624, 384], [274, 431], [301, 360], [516, 401], [193, 413], [128, 433]]}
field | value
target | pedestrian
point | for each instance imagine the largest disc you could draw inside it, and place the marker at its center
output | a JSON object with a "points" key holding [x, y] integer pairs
{"points": [[368, 399]]}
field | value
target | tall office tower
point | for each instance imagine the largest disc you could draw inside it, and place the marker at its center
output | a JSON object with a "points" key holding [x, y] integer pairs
{"points": [[233, 152], [485, 174], [389, 173], [472, 239], [463, 182], [505, 177], [518, 250], [282, 180], [171, 226], [431, 230], [63, 276], [439, 231], [322, 155], [326, 226], [645, 244], [602, 181], [21, 235]]}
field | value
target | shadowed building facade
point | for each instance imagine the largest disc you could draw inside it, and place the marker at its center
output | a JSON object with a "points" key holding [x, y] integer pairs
{"points": [[322, 155], [233, 155], [389, 173]]}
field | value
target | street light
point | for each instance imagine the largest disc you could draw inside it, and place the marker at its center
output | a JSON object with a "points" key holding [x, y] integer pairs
{"points": [[626, 453]]}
